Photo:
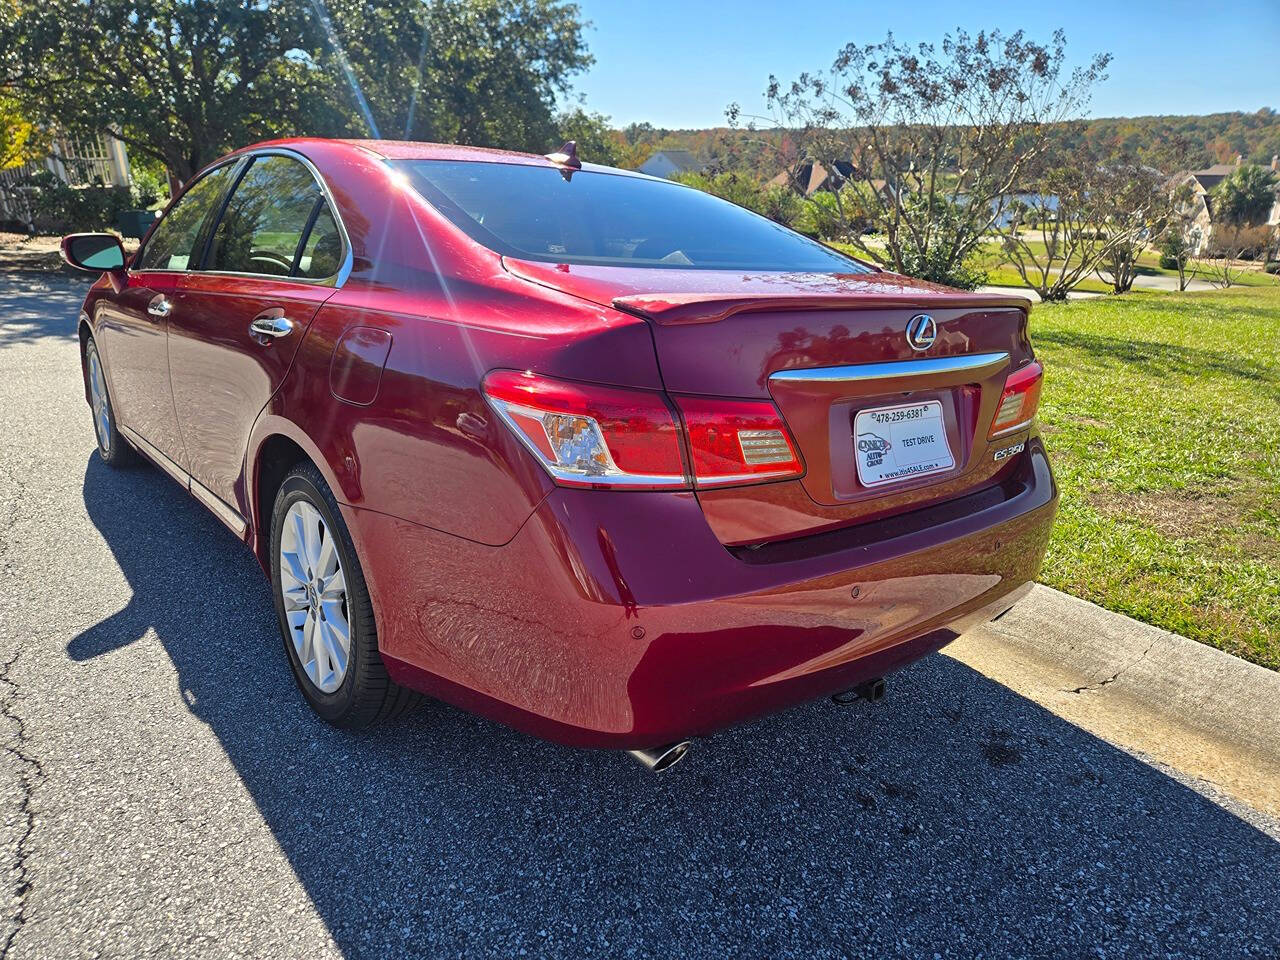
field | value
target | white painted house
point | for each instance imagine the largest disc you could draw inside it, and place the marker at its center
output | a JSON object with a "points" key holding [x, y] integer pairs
{"points": [[76, 161], [668, 163]]}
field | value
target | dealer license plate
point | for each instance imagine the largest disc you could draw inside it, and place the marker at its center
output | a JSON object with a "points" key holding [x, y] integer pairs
{"points": [[895, 444]]}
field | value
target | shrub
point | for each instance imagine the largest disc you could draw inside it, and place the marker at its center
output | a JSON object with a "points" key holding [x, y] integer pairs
{"points": [[59, 208], [1272, 266], [819, 216], [935, 267], [149, 185], [776, 203], [1171, 252]]}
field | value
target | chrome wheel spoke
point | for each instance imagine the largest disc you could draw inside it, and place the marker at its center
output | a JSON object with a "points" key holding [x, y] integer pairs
{"points": [[335, 646], [326, 558], [335, 587], [335, 619]]}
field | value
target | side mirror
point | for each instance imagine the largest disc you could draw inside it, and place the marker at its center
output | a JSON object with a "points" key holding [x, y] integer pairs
{"points": [[94, 252]]}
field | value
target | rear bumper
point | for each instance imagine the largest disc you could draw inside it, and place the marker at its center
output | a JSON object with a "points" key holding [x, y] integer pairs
{"points": [[619, 620]]}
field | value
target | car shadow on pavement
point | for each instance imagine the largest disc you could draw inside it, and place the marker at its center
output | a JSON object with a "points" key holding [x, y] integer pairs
{"points": [[954, 818], [34, 306]]}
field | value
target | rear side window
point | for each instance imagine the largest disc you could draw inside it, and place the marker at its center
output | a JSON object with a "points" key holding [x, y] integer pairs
{"points": [[322, 253], [276, 224], [172, 245]]}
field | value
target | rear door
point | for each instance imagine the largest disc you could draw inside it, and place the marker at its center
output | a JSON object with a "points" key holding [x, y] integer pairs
{"points": [[273, 258], [134, 324]]}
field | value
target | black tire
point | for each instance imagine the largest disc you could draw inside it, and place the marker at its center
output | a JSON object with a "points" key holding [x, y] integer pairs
{"points": [[112, 447], [366, 694]]}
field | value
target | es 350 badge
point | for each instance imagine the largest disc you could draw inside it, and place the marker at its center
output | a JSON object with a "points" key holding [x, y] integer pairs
{"points": [[1009, 451]]}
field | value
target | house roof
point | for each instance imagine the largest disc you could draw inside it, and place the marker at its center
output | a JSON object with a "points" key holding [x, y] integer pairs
{"points": [[1210, 177], [683, 159], [810, 177]]}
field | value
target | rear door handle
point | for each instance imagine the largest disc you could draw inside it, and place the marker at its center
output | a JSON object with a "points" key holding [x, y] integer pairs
{"points": [[160, 306], [270, 325]]}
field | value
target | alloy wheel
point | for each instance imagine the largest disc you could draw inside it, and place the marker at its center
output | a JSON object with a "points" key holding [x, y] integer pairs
{"points": [[98, 398], [315, 596]]}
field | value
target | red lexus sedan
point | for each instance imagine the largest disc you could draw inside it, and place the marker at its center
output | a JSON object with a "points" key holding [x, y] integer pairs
{"points": [[596, 455]]}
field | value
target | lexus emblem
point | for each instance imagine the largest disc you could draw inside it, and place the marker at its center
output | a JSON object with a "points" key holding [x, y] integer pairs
{"points": [[921, 331]]}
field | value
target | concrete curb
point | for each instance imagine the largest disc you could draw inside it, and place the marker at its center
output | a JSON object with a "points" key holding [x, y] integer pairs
{"points": [[1221, 695]]}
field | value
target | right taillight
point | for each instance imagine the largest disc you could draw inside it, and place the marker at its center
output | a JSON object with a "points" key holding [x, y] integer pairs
{"points": [[737, 441], [1018, 402]]}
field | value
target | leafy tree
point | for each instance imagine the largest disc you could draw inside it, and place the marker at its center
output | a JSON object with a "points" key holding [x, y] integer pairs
{"points": [[483, 72], [20, 139], [1245, 196], [776, 203], [954, 129], [1139, 206], [597, 141], [185, 80], [181, 80]]}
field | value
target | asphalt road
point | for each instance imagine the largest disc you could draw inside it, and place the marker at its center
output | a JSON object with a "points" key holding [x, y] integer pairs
{"points": [[165, 792]]}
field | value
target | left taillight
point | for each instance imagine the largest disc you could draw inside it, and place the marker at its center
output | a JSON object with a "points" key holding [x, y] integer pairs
{"points": [[589, 435], [1018, 402]]}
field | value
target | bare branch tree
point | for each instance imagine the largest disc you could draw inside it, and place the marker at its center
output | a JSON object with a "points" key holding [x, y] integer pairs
{"points": [[938, 139], [1089, 215], [1220, 263]]}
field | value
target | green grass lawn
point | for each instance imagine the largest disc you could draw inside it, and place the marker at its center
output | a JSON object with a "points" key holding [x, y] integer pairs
{"points": [[1006, 275], [1162, 416], [1002, 273]]}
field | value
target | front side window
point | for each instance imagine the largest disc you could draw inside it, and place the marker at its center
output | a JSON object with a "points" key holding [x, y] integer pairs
{"points": [[172, 244], [267, 219], [535, 213]]}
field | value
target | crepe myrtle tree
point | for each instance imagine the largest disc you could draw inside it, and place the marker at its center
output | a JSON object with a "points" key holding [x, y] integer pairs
{"points": [[1141, 204], [1090, 215], [1182, 235], [938, 138]]}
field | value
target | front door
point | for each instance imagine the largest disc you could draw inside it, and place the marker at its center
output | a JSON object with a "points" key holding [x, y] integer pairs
{"points": [[238, 321], [133, 326]]}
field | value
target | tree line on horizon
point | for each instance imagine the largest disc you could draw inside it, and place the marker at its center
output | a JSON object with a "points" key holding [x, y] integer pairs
{"points": [[1170, 143]]}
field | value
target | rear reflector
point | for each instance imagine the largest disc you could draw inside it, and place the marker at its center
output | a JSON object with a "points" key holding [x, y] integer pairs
{"points": [[737, 441], [1018, 402], [588, 435]]}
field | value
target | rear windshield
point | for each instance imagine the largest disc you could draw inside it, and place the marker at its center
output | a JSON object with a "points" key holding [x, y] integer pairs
{"points": [[535, 213]]}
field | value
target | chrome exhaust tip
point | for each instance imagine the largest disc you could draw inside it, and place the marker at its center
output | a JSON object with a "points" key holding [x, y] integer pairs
{"points": [[658, 759]]}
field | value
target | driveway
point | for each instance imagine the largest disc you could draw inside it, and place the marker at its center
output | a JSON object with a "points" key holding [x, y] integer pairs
{"points": [[165, 791]]}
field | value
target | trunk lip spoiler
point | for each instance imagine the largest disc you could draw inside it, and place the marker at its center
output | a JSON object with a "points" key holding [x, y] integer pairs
{"points": [[971, 364], [672, 309]]}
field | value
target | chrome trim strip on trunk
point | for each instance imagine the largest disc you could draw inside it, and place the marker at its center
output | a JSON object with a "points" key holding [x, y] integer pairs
{"points": [[977, 364], [229, 516]]}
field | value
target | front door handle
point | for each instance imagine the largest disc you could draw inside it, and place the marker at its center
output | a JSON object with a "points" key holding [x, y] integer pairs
{"points": [[160, 306], [270, 325]]}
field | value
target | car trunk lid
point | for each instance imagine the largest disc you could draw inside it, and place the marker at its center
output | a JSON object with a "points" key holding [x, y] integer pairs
{"points": [[832, 352]]}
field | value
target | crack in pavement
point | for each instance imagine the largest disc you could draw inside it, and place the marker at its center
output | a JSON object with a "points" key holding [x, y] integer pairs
{"points": [[30, 771], [1099, 684]]}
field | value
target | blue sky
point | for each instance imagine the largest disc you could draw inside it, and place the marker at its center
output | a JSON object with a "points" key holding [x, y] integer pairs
{"points": [[678, 64]]}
